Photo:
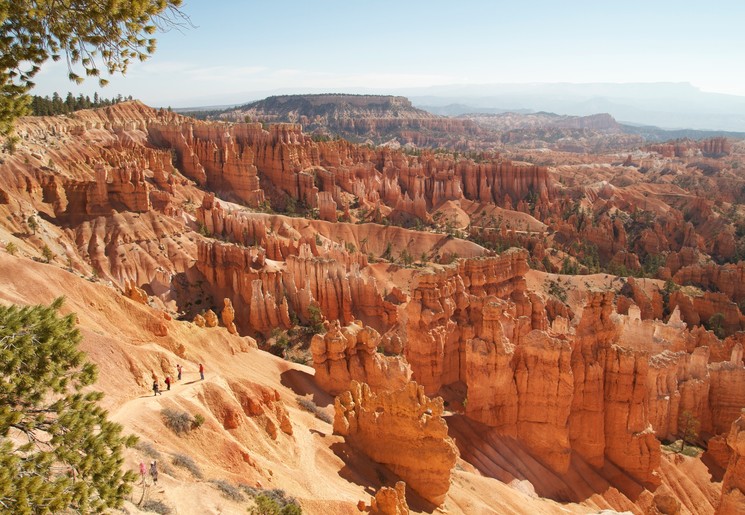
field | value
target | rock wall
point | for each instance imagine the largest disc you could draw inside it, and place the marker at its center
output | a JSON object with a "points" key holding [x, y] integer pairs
{"points": [[264, 292], [214, 156], [606, 386]]}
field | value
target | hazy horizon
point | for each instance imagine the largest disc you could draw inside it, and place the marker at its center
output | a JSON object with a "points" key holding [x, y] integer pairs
{"points": [[239, 51]]}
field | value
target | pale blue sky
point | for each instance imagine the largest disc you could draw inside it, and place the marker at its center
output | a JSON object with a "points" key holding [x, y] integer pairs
{"points": [[241, 50]]}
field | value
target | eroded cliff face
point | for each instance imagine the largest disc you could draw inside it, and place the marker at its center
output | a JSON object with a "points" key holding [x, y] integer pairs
{"points": [[173, 212], [605, 386], [402, 429], [349, 353]]}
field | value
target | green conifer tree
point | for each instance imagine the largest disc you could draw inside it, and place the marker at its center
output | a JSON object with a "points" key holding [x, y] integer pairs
{"points": [[58, 450], [92, 36]]}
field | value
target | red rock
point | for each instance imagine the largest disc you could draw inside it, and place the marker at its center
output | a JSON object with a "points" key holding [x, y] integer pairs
{"points": [[733, 485], [402, 429], [390, 501], [228, 315], [346, 353], [135, 293]]}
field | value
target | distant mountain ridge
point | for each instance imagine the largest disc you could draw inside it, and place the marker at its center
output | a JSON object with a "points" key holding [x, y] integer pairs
{"points": [[667, 105], [374, 118], [511, 120], [394, 120]]}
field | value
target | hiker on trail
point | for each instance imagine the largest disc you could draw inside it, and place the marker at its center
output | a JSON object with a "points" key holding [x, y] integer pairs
{"points": [[201, 371], [143, 471], [154, 471], [156, 388], [178, 367], [168, 383]]}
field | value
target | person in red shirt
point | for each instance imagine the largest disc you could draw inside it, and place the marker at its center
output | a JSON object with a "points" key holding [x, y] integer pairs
{"points": [[201, 371]]}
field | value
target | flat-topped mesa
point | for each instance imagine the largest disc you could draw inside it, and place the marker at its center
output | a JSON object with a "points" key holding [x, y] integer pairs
{"points": [[382, 117], [733, 484], [350, 352], [403, 430]]}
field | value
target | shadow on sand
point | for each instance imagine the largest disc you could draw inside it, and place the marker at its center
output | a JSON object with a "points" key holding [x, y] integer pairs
{"points": [[508, 460], [361, 470], [302, 383]]}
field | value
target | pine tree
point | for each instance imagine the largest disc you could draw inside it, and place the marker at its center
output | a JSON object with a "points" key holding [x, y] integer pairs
{"points": [[58, 450], [47, 253], [688, 425], [32, 223], [92, 36]]}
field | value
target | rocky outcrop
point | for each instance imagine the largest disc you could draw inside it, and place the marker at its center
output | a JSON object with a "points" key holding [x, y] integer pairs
{"points": [[273, 270], [388, 501], [714, 147], [649, 300], [728, 279], [244, 401], [557, 390], [727, 393], [210, 318], [342, 354], [630, 440], [228, 315], [404, 430], [715, 311], [326, 206], [545, 384], [135, 293], [733, 485]]}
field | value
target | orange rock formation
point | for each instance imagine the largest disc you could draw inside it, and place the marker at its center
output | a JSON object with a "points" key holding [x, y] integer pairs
{"points": [[733, 486], [351, 352], [402, 429]]}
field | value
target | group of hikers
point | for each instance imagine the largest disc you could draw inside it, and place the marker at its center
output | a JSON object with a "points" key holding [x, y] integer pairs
{"points": [[156, 391], [153, 471], [168, 380]]}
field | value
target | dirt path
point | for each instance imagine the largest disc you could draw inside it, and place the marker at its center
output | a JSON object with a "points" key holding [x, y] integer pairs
{"points": [[141, 413]]}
